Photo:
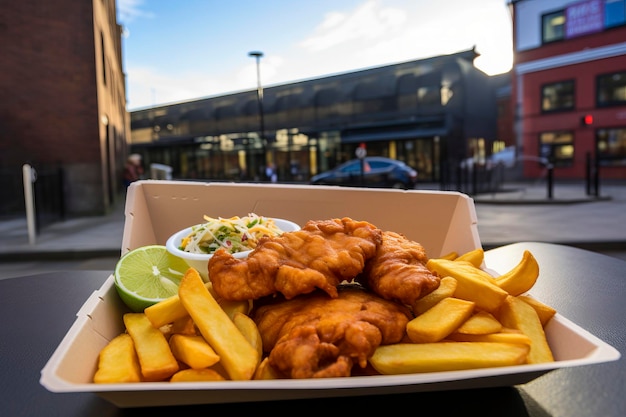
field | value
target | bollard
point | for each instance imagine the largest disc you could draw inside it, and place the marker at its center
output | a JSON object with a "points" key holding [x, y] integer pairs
{"points": [[588, 173], [550, 181], [29, 176]]}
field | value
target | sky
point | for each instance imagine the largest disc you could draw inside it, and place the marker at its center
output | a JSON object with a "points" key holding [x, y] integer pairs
{"points": [[175, 51]]}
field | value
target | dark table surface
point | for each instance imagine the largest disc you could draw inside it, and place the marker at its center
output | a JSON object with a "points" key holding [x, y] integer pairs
{"points": [[585, 287]]}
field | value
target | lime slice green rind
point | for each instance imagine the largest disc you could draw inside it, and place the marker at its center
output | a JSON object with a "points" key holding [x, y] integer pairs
{"points": [[147, 275], [134, 303]]}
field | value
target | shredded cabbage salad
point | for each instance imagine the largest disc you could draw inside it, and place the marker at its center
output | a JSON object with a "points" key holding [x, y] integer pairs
{"points": [[236, 234]]}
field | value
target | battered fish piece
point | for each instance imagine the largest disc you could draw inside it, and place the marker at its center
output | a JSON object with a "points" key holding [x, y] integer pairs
{"points": [[398, 271], [315, 336], [320, 255]]}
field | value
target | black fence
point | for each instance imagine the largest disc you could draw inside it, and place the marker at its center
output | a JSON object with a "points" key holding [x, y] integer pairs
{"points": [[48, 194], [11, 192], [478, 179]]}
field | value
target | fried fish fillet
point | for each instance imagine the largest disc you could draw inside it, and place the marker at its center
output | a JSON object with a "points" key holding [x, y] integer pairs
{"points": [[316, 336], [320, 255], [398, 270]]}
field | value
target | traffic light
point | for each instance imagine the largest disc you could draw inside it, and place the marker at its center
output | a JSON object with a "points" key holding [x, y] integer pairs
{"points": [[586, 120]]}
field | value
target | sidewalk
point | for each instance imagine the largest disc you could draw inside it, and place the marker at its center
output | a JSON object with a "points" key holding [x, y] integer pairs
{"points": [[522, 212], [80, 238], [525, 213]]}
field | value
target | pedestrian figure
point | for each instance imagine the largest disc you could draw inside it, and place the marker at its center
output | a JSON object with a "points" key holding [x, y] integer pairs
{"points": [[270, 172], [133, 170]]}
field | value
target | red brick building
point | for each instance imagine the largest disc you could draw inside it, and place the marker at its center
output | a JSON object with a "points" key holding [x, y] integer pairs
{"points": [[505, 132], [569, 86], [63, 97]]}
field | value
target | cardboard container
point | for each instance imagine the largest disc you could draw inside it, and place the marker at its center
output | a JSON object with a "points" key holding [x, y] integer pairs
{"points": [[442, 221]]}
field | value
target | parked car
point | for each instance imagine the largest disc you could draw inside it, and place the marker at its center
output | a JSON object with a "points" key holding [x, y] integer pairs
{"points": [[377, 171], [506, 157]]}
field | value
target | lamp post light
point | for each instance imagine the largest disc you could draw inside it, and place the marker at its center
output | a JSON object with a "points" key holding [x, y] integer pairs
{"points": [[257, 55]]}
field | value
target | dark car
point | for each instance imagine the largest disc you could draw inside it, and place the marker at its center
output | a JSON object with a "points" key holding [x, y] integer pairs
{"points": [[377, 172]]}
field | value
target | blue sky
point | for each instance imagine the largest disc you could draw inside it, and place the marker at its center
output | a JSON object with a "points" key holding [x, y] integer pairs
{"points": [[188, 49]]}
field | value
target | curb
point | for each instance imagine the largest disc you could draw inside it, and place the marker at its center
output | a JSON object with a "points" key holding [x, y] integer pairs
{"points": [[542, 201], [66, 255], [512, 196]]}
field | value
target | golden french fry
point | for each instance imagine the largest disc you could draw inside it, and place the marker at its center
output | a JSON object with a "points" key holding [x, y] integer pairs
{"points": [[219, 368], [475, 257], [193, 350], [451, 256], [117, 362], [233, 307], [250, 331], [481, 322], [167, 311], [445, 267], [473, 284], [544, 311], [406, 358], [196, 375], [230, 307], [522, 277], [447, 286], [237, 355], [155, 357], [184, 325], [266, 371], [516, 314], [439, 321], [502, 337]]}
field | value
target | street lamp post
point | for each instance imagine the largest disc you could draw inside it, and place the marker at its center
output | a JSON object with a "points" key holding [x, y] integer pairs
{"points": [[257, 55]]}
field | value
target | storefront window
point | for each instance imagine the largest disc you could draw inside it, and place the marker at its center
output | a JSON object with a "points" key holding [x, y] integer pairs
{"points": [[611, 89], [557, 148], [552, 26], [429, 95], [558, 96], [611, 147]]}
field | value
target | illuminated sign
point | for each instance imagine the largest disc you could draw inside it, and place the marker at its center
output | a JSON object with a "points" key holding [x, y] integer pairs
{"points": [[584, 18]]}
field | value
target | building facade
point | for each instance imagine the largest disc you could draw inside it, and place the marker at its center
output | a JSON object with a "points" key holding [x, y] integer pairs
{"points": [[431, 113], [64, 99], [569, 87]]}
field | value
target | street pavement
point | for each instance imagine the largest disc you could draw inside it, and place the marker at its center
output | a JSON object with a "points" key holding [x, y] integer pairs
{"points": [[520, 212]]}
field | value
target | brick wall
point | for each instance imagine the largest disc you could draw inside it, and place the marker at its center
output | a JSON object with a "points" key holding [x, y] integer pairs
{"points": [[49, 80]]}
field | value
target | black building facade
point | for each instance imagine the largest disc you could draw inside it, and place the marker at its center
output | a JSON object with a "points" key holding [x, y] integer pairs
{"points": [[431, 113]]}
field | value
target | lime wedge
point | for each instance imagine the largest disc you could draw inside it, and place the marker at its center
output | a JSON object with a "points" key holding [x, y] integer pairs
{"points": [[147, 275]]}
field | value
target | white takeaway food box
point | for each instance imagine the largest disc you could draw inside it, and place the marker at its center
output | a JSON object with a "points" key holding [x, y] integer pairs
{"points": [[441, 221]]}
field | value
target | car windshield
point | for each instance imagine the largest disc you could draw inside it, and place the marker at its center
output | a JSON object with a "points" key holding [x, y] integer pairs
{"points": [[379, 165], [369, 165], [354, 167]]}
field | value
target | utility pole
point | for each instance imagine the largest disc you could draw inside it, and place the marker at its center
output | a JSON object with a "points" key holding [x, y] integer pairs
{"points": [[257, 55]]}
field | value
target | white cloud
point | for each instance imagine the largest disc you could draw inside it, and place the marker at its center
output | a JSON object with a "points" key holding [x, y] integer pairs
{"points": [[370, 34], [375, 34], [271, 69], [368, 21], [128, 10], [150, 87]]}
